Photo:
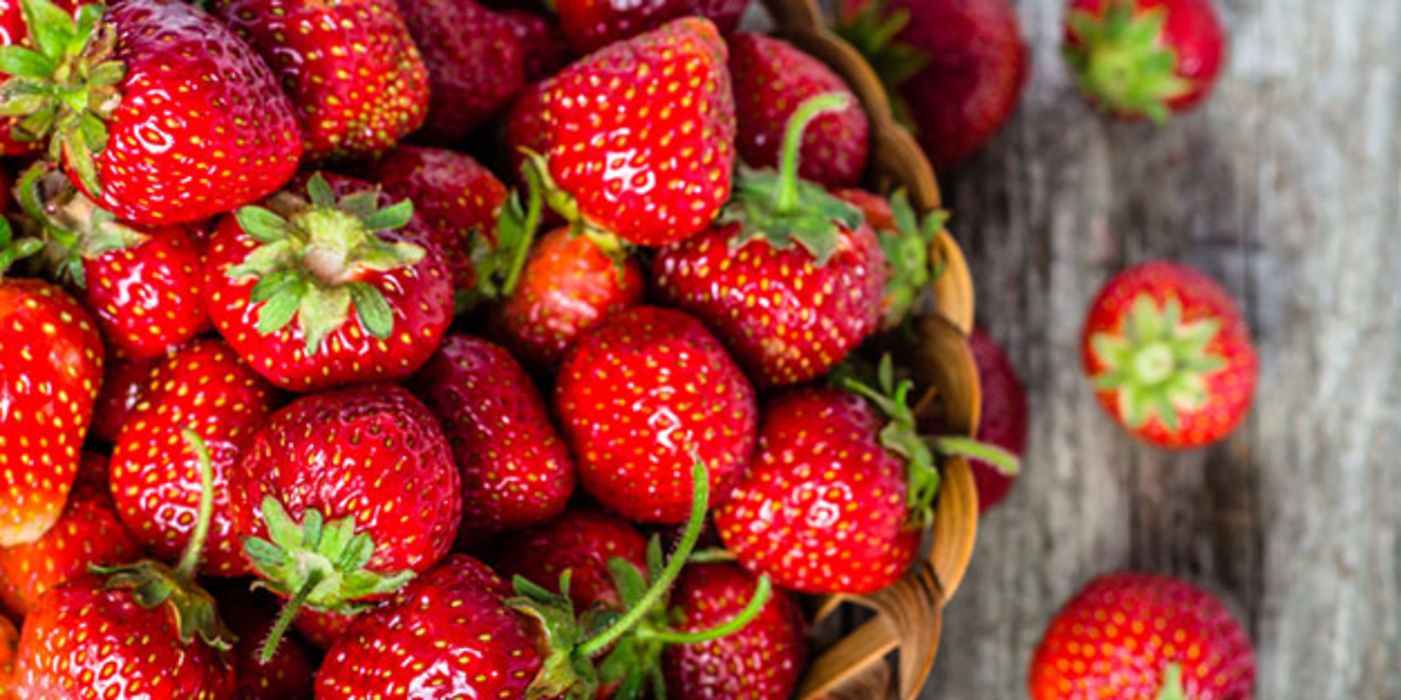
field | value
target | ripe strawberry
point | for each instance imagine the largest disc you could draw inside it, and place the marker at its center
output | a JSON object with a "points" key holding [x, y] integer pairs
{"points": [[792, 280], [905, 238], [569, 285], [203, 387], [14, 31], [120, 390], [87, 533], [640, 135], [9, 640], [353, 72], [321, 629], [954, 68], [369, 303], [1134, 635], [527, 126], [175, 118], [590, 25], [1005, 416], [642, 397], [1144, 58], [541, 42], [515, 469], [761, 661], [474, 61], [1170, 355], [342, 496], [582, 541], [772, 77], [92, 469], [288, 676]]}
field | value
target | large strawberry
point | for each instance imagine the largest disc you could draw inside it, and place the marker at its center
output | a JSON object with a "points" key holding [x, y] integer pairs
{"points": [[1170, 355], [590, 25], [315, 291], [14, 31], [203, 387], [159, 112], [582, 541], [772, 78], [121, 387], [515, 468], [643, 394], [1145, 58], [1135, 635], [792, 280]]}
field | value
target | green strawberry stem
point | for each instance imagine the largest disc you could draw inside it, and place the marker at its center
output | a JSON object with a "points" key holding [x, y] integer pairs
{"points": [[1172, 684], [72, 227], [762, 592], [1121, 60], [12, 249], [189, 559], [787, 197], [907, 257], [499, 264], [1001, 459], [713, 555], [520, 249], [285, 617]]}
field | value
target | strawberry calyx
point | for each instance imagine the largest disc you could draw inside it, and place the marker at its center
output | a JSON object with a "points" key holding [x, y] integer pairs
{"points": [[871, 29], [73, 227], [498, 264], [66, 87], [14, 249], [1157, 363], [1121, 60], [313, 258], [782, 208], [1172, 684], [564, 204], [906, 251]]}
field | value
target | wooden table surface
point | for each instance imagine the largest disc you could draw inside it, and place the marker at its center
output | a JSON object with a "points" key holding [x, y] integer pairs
{"points": [[1286, 187]]}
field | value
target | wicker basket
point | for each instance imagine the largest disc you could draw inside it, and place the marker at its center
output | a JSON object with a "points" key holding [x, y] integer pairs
{"points": [[906, 623]]}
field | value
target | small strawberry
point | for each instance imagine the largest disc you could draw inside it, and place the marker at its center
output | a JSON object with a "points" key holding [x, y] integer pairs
{"points": [[14, 31], [1005, 416], [316, 291], [288, 676], [203, 387], [342, 497], [590, 25], [772, 78], [541, 42], [1134, 635], [355, 77], [639, 397], [905, 238], [792, 279], [1144, 58], [1170, 355], [582, 541], [954, 68], [515, 469], [121, 387], [159, 113]]}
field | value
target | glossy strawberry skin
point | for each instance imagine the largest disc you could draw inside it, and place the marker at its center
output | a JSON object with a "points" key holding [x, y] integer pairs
{"points": [[82, 639], [155, 476], [1118, 635], [568, 287], [822, 508], [786, 319], [759, 662], [590, 25], [542, 42], [1005, 415], [516, 470], [146, 298], [321, 629], [637, 396], [353, 72], [9, 641], [582, 541], [227, 135], [398, 646], [53, 359], [772, 77], [121, 387], [14, 30]]}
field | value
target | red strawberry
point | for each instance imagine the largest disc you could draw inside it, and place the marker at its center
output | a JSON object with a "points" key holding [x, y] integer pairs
{"points": [[590, 25], [1170, 355], [322, 629], [515, 469], [120, 390], [640, 399], [761, 661], [772, 77], [369, 304], [582, 541], [87, 533], [954, 68], [905, 238], [342, 496], [541, 41], [205, 388], [14, 30], [1005, 416], [793, 281], [1145, 58], [195, 123], [93, 469], [474, 61], [641, 134], [353, 72], [527, 126], [288, 676], [568, 286], [1133, 635], [9, 640]]}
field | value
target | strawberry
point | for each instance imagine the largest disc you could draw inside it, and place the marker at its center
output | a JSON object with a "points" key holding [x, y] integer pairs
{"points": [[582, 541], [1170, 355], [93, 469], [792, 280], [159, 113], [527, 127], [954, 68], [322, 629], [288, 676], [120, 390], [515, 469], [568, 286], [541, 42], [342, 496], [9, 640], [369, 304], [590, 25], [475, 64], [639, 397], [14, 31], [53, 358], [905, 238], [203, 387], [639, 137], [87, 533], [355, 77], [1135, 635], [1005, 416], [1144, 58], [772, 77]]}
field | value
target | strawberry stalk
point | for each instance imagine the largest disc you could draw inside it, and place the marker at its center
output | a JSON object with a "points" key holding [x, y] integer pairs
{"points": [[762, 592], [13, 249], [499, 265]]}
